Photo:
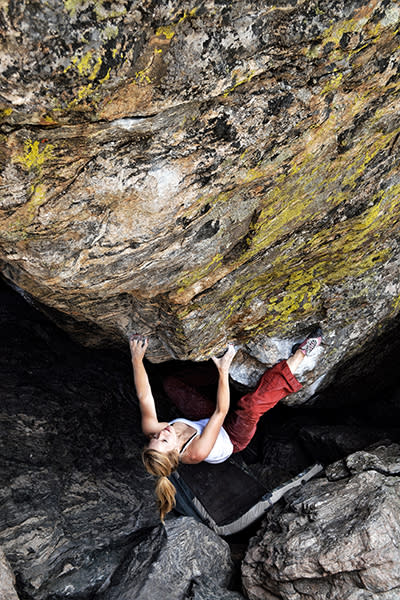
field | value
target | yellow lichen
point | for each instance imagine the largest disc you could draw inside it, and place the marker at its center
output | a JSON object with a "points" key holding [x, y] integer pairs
{"points": [[291, 286], [246, 79], [106, 76], [49, 120], [83, 93], [18, 229], [188, 14], [38, 194], [102, 12], [110, 32], [200, 273], [395, 306], [142, 76], [167, 31], [375, 145], [6, 112], [35, 154], [87, 66], [332, 84]]}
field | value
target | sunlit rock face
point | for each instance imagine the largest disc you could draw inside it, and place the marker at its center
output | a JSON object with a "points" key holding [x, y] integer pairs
{"points": [[204, 172]]}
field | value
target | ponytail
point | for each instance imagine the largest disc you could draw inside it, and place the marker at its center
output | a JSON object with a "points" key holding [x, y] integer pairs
{"points": [[162, 465]]}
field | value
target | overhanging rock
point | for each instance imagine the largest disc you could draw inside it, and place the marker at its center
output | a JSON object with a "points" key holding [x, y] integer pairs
{"points": [[204, 173]]}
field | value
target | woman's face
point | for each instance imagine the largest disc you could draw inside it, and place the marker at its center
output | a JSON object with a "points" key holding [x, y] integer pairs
{"points": [[164, 441]]}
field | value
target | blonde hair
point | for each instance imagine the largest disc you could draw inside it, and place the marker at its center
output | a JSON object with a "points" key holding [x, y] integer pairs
{"points": [[162, 465]]}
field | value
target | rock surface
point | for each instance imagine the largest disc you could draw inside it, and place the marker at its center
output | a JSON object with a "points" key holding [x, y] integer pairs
{"points": [[7, 580], [204, 172], [76, 502], [192, 563], [339, 537]]}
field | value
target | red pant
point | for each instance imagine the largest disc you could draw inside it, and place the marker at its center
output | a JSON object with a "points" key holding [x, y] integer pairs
{"points": [[241, 423]]}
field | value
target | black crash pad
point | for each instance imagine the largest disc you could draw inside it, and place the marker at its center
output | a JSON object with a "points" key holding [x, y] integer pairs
{"points": [[227, 497]]}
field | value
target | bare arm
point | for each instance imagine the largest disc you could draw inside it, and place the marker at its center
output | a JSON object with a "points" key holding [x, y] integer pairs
{"points": [[150, 423], [202, 446]]}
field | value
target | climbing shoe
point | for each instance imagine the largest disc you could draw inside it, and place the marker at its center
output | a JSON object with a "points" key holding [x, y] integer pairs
{"points": [[310, 343]]}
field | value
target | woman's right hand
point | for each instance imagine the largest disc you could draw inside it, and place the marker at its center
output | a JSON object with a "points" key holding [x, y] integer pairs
{"points": [[223, 364], [138, 346]]}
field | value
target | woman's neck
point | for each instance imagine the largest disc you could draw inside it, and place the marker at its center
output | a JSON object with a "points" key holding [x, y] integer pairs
{"points": [[183, 432]]}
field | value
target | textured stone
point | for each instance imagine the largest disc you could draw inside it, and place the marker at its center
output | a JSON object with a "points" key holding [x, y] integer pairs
{"points": [[204, 172], [7, 580], [77, 507], [192, 563], [338, 537]]}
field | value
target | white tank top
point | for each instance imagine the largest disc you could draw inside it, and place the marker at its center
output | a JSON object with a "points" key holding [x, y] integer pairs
{"points": [[222, 448]]}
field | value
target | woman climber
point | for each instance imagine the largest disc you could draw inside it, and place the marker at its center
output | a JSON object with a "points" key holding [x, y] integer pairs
{"points": [[209, 431]]}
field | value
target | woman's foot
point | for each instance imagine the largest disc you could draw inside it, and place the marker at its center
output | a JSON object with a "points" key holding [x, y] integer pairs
{"points": [[304, 348], [310, 343]]}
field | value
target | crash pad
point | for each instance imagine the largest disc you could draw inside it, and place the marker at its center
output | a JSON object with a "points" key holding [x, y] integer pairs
{"points": [[227, 496]]}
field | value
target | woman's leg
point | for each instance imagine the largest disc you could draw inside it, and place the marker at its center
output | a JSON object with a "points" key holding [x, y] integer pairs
{"points": [[275, 384], [189, 390]]}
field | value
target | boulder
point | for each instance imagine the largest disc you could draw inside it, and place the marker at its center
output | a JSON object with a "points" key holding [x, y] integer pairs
{"points": [[191, 563], [203, 173], [338, 537]]}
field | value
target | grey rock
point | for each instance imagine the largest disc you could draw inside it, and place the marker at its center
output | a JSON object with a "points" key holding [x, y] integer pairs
{"points": [[336, 539], [191, 562], [384, 459]]}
